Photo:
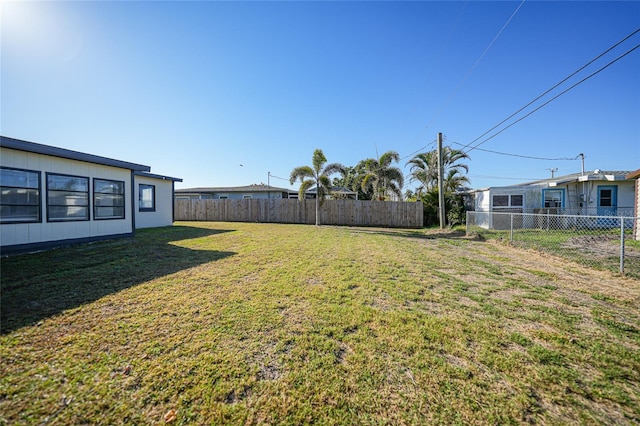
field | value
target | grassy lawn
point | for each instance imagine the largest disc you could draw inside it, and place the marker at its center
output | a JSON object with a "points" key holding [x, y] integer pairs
{"points": [[236, 323], [595, 248]]}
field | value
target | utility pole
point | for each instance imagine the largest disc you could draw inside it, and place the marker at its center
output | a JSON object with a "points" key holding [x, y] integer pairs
{"points": [[441, 183], [553, 171], [268, 184]]}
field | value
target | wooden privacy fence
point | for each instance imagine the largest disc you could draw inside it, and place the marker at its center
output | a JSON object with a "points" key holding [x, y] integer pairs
{"points": [[332, 212]]}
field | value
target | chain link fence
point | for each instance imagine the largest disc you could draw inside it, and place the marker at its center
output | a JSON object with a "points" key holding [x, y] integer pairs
{"points": [[604, 242]]}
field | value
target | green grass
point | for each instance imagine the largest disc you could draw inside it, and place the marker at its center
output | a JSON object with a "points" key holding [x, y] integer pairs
{"points": [[594, 248], [235, 323]]}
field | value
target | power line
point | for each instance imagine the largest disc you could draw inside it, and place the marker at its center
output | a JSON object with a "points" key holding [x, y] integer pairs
{"points": [[418, 150], [457, 88], [522, 156], [556, 85], [273, 176], [557, 96], [502, 177]]}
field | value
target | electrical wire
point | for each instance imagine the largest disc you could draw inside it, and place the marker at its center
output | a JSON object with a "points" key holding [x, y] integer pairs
{"points": [[522, 156], [466, 76], [556, 97], [276, 177], [556, 85], [502, 177]]}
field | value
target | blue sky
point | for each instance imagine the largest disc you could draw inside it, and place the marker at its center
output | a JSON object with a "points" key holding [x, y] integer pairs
{"points": [[222, 93]]}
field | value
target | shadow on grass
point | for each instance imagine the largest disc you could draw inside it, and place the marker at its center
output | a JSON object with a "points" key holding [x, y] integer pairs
{"points": [[39, 285], [424, 234]]}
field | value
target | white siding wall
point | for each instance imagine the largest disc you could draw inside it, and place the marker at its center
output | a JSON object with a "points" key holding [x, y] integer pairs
{"points": [[626, 194], [483, 201], [22, 233], [637, 211], [163, 215], [532, 197]]}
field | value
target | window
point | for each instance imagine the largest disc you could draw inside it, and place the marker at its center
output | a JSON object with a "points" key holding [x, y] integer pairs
{"points": [[147, 198], [552, 198], [67, 198], [506, 201], [108, 199], [500, 201], [606, 198], [19, 196]]}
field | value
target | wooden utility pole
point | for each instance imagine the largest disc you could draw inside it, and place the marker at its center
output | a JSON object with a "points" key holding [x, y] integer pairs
{"points": [[441, 209]]}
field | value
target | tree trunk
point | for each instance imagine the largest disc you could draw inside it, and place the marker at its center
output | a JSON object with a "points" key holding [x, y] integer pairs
{"points": [[318, 206]]}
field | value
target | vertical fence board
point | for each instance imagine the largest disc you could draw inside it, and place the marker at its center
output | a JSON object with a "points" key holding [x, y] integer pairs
{"points": [[332, 212]]}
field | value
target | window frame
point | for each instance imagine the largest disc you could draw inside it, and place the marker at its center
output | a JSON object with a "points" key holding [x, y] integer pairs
{"points": [[71, 218], [153, 197], [38, 173], [512, 196], [501, 205], [560, 191], [509, 199], [121, 196]]}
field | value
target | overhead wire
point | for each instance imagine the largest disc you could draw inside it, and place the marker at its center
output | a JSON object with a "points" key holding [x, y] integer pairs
{"points": [[502, 177], [466, 76], [556, 97], [276, 177], [522, 156]]}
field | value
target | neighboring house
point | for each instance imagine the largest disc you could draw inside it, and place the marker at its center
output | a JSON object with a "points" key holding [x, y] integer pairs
{"points": [[234, 193], [636, 225], [597, 193], [336, 192], [53, 196]]}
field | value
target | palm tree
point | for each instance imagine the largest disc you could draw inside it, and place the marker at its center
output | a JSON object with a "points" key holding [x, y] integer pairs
{"points": [[454, 179], [424, 169], [380, 177], [317, 174]]}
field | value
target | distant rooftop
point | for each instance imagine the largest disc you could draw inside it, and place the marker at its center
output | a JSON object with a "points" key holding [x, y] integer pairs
{"points": [[247, 188]]}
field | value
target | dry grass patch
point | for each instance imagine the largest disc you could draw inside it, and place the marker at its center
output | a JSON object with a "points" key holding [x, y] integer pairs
{"points": [[233, 323]]}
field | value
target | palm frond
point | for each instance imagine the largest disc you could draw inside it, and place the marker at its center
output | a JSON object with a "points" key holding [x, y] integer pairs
{"points": [[301, 173]]}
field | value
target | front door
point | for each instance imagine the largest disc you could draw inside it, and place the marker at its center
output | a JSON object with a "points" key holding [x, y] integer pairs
{"points": [[607, 200]]}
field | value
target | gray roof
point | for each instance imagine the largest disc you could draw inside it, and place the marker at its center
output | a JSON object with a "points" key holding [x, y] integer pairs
{"points": [[226, 189], [597, 175], [336, 189], [53, 151]]}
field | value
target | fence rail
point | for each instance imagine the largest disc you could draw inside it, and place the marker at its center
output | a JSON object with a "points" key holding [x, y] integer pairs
{"points": [[332, 212], [608, 242]]}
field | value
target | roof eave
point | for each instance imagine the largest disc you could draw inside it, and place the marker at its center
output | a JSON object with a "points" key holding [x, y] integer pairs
{"points": [[155, 176], [68, 154]]}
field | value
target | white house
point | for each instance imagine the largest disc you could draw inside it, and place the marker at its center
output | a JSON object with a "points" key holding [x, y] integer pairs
{"points": [[597, 193], [52, 196]]}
